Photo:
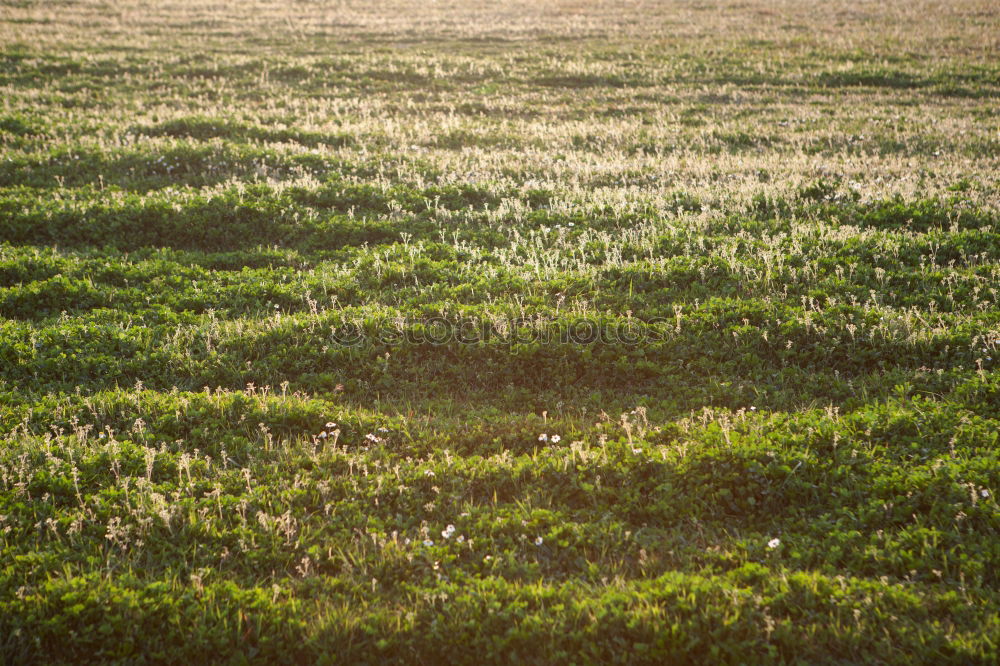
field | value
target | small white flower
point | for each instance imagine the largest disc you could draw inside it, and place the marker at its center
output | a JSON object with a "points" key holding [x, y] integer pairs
{"points": [[428, 543], [448, 531], [538, 541], [773, 543], [636, 451], [428, 472], [487, 558], [383, 430], [101, 436], [330, 425], [543, 437], [752, 408], [555, 439], [461, 538], [984, 492]]}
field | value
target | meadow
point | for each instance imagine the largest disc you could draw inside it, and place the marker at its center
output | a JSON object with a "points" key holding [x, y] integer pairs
{"points": [[582, 331]]}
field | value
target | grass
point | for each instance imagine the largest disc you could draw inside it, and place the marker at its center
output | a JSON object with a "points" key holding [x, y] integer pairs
{"points": [[290, 294]]}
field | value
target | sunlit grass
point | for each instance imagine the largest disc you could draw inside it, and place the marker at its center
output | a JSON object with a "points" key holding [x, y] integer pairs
{"points": [[466, 331]]}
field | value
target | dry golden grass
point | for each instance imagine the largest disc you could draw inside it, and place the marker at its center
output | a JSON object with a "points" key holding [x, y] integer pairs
{"points": [[970, 28]]}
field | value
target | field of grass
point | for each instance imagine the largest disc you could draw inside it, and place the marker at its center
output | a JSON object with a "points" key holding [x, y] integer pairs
{"points": [[499, 332]]}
